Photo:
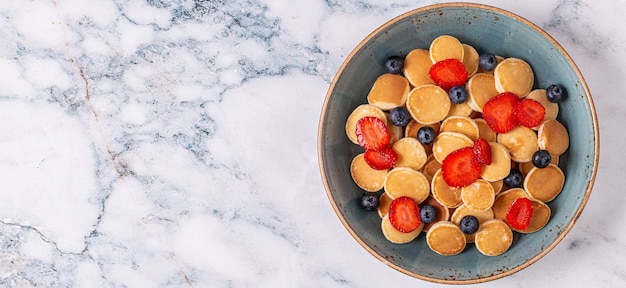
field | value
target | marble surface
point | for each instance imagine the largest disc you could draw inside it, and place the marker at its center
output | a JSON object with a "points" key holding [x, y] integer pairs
{"points": [[172, 143]]}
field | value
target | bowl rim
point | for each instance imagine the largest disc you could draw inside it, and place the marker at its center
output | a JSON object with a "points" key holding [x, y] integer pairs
{"points": [[320, 140]]}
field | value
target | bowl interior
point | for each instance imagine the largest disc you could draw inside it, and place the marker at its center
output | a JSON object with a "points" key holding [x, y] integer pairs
{"points": [[487, 29]]}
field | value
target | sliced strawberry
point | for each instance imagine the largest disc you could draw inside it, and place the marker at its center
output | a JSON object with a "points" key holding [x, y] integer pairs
{"points": [[448, 73], [381, 159], [482, 150], [529, 112], [499, 112], [372, 133], [461, 168], [404, 214], [520, 213]]}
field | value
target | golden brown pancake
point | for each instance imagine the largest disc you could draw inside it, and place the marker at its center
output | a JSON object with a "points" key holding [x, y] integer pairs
{"points": [[463, 211], [428, 104], [480, 88], [464, 125], [478, 196], [540, 217], [407, 182], [544, 184], [493, 237], [395, 236], [446, 47], [383, 204], [514, 75], [359, 112], [485, 131], [505, 199], [500, 163], [389, 91], [552, 109], [446, 238], [443, 193], [448, 142], [470, 59], [366, 177], [553, 137], [410, 152], [521, 142], [416, 66]]}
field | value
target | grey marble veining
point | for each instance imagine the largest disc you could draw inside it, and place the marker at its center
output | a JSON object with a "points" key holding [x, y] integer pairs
{"points": [[171, 143]]}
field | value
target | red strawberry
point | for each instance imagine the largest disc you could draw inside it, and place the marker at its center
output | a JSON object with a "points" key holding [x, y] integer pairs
{"points": [[448, 73], [381, 159], [482, 150], [499, 112], [529, 112], [519, 214], [404, 214], [461, 168], [372, 133]]}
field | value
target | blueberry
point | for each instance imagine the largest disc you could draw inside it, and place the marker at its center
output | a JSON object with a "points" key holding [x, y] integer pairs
{"points": [[555, 93], [369, 201], [541, 159], [457, 94], [428, 214], [487, 61], [426, 135], [400, 116], [394, 64], [514, 179], [469, 224]]}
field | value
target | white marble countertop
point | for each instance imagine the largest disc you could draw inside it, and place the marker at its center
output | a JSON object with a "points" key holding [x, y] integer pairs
{"points": [[172, 143]]}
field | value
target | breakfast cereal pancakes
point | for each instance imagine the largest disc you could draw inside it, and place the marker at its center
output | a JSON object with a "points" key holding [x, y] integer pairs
{"points": [[475, 158]]}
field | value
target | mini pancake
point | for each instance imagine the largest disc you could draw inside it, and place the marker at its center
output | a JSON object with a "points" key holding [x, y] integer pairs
{"points": [[553, 137], [389, 91], [394, 236], [414, 126], [514, 75], [480, 88], [448, 196], [395, 132], [430, 167], [407, 182], [446, 47], [462, 109], [359, 112], [493, 237], [505, 199], [463, 211], [443, 212], [448, 142], [384, 202], [446, 238], [478, 196], [527, 166], [484, 131], [369, 179], [410, 152], [521, 142], [500, 163], [544, 184], [552, 109], [464, 125], [416, 66], [539, 219], [470, 59], [428, 104]]}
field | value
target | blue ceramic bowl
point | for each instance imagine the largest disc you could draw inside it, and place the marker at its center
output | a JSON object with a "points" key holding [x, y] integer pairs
{"points": [[487, 29]]}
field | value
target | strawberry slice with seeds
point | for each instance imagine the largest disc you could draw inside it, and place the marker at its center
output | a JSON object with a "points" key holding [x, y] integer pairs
{"points": [[381, 159], [448, 73], [499, 112], [461, 168], [529, 112], [519, 214], [404, 214], [372, 133], [482, 150]]}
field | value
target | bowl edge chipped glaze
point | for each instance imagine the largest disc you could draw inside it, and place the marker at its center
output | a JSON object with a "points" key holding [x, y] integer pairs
{"points": [[470, 22]]}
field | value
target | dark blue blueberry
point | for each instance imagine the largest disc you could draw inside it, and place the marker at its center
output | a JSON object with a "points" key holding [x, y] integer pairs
{"points": [[400, 116], [369, 201], [514, 179], [394, 64], [469, 224], [555, 93], [487, 61], [457, 94], [426, 135], [541, 159], [428, 214]]}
